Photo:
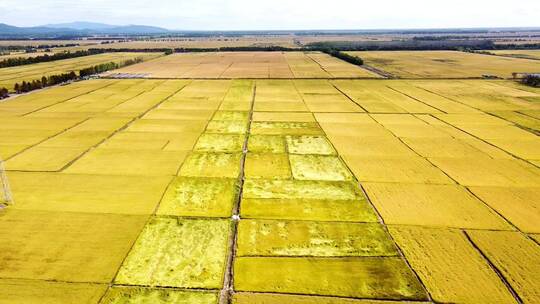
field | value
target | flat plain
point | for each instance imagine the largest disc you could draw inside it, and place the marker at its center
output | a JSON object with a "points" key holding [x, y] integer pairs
{"points": [[447, 64], [248, 65], [267, 191], [10, 76]]}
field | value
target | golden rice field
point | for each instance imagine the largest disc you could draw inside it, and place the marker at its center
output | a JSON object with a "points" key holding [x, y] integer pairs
{"points": [[527, 54], [10, 76], [446, 64], [268, 191], [247, 65]]}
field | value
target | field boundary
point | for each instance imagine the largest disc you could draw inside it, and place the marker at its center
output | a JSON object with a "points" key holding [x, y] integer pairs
{"points": [[225, 295]]}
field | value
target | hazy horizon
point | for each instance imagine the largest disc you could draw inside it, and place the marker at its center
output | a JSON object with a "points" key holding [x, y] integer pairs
{"points": [[275, 15]]}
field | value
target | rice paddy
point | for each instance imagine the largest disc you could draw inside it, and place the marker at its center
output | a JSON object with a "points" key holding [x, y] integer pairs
{"points": [[247, 65], [10, 76], [252, 191], [449, 64]]}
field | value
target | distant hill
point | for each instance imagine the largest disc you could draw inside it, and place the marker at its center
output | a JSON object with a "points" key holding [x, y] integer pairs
{"points": [[76, 28], [82, 25], [108, 28]]}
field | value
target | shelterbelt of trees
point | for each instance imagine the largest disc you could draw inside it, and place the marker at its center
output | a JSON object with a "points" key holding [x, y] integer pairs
{"points": [[531, 80], [4, 93], [27, 86], [17, 61]]}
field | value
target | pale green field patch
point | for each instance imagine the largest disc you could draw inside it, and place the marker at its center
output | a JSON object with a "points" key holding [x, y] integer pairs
{"points": [[226, 127], [211, 165], [319, 167], [309, 145], [305, 200], [231, 115], [174, 252], [266, 143], [220, 143], [133, 295], [191, 196], [286, 128], [267, 165]]}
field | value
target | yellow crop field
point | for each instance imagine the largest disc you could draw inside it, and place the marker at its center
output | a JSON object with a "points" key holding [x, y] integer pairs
{"points": [[446, 64], [331, 191], [247, 65], [527, 54], [509, 251], [10, 76], [432, 205], [451, 268]]}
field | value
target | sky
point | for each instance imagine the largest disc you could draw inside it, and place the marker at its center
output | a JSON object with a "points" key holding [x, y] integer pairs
{"points": [[276, 14]]}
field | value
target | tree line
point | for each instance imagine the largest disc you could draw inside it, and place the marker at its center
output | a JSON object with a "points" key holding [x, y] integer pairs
{"points": [[169, 51], [344, 56], [4, 93], [531, 80], [100, 68], [46, 81], [17, 61]]}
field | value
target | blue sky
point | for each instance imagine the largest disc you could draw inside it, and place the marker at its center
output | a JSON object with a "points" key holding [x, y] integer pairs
{"points": [[276, 14]]}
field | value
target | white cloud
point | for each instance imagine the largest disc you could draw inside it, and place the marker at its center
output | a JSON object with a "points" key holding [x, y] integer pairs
{"points": [[276, 14]]}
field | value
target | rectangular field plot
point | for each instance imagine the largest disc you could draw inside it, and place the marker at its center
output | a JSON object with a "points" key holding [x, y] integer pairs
{"points": [[173, 252], [44, 159], [211, 165], [304, 238], [220, 143], [267, 165], [520, 206], [266, 144], [446, 64], [120, 295], [305, 200], [490, 172], [247, 65], [432, 205], [527, 54], [396, 170], [449, 266], [205, 197], [272, 298], [126, 162], [42, 292], [319, 167], [53, 244], [368, 277], [86, 193], [309, 145], [516, 257], [285, 128]]}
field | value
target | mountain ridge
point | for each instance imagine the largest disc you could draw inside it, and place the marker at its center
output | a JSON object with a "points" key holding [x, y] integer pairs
{"points": [[78, 28]]}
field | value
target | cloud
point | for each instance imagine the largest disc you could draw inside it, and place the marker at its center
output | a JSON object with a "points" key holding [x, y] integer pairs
{"points": [[276, 14]]}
